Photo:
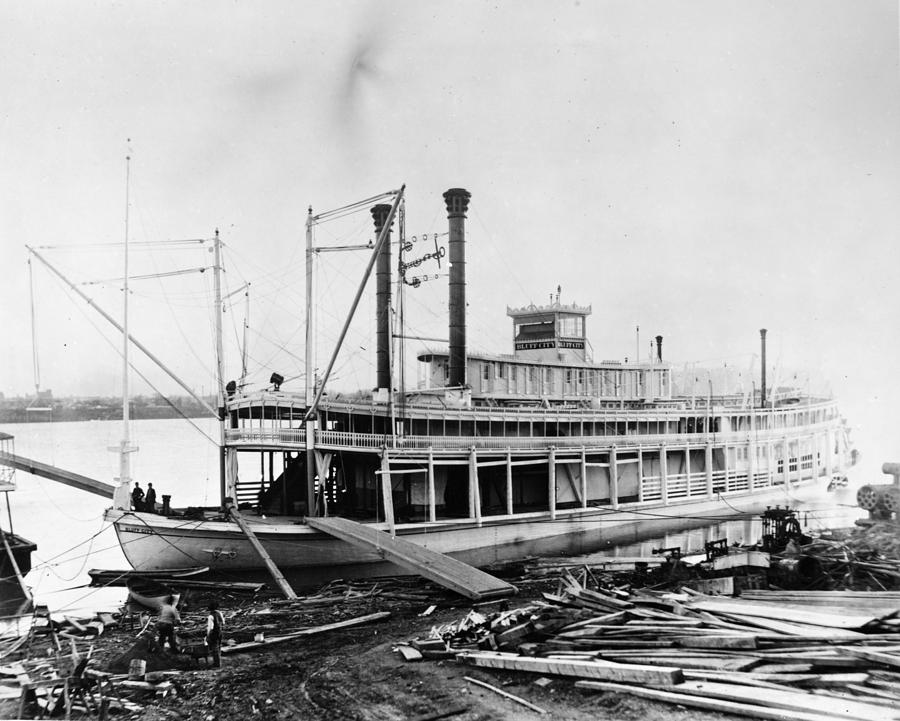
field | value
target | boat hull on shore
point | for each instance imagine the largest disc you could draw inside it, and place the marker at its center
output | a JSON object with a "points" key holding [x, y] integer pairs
{"points": [[153, 542]]}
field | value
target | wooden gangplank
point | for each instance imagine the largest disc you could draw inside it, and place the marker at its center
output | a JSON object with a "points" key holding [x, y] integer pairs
{"points": [[45, 470], [438, 567], [263, 554]]}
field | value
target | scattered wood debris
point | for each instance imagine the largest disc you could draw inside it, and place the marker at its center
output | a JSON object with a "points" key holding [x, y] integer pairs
{"points": [[818, 654]]}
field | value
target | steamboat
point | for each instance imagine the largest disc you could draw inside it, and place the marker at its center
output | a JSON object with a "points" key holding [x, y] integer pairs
{"points": [[491, 457]]}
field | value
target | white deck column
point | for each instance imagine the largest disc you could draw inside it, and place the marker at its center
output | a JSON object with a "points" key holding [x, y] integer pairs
{"points": [[786, 455], [432, 503], [751, 457], [386, 495], [770, 457], [583, 477], [709, 469], [664, 473], [474, 490], [509, 485], [613, 477], [551, 482], [687, 468], [640, 473], [725, 455]]}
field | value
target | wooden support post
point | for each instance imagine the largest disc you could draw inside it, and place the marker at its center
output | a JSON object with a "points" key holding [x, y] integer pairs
{"points": [[323, 464], [786, 460], [727, 465], [687, 469], [613, 478], [664, 473], [640, 473], [751, 456], [770, 453], [387, 494], [708, 460], [258, 547], [474, 490], [583, 477], [432, 503], [509, 483], [551, 482], [12, 561]]}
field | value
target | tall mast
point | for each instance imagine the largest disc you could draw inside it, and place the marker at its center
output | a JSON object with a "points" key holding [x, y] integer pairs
{"points": [[34, 353], [308, 421], [220, 361], [125, 448]]}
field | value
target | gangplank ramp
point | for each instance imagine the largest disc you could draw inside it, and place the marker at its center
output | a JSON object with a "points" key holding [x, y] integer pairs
{"points": [[438, 567], [45, 470]]}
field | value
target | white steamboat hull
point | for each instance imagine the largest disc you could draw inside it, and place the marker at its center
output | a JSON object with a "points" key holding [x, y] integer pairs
{"points": [[153, 542]]}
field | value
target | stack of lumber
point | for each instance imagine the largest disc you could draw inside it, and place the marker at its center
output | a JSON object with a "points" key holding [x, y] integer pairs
{"points": [[867, 558], [817, 655]]}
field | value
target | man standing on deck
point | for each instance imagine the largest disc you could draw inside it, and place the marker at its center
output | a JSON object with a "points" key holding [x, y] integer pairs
{"points": [[165, 624], [137, 497], [150, 499]]}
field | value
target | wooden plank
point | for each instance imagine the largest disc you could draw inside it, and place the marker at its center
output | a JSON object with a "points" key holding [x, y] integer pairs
{"points": [[709, 663], [743, 641], [655, 675], [797, 629], [251, 645], [683, 699], [847, 708], [45, 470], [438, 567], [885, 659], [258, 547], [813, 618]]}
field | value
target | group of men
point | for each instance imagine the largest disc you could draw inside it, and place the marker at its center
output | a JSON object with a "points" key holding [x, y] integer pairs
{"points": [[169, 618], [142, 502]]}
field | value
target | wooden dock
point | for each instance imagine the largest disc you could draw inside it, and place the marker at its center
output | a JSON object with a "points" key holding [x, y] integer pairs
{"points": [[438, 567], [45, 470]]}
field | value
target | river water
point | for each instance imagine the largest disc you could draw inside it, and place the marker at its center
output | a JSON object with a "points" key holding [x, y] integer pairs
{"points": [[176, 456]]}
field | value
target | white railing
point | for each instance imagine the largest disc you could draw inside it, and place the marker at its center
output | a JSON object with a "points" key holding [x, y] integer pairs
{"points": [[288, 437]]}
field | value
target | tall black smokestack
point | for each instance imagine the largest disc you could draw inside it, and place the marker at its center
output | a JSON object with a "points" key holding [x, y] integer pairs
{"points": [[382, 300], [457, 200], [762, 340], [659, 348]]}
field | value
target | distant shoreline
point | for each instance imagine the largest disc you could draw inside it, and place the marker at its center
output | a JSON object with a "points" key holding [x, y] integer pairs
{"points": [[100, 410]]}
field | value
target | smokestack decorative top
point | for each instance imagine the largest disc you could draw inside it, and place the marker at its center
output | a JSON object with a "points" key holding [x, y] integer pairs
{"points": [[457, 200], [379, 215]]}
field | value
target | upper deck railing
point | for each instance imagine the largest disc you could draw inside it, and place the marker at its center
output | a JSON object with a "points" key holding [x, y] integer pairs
{"points": [[295, 438]]}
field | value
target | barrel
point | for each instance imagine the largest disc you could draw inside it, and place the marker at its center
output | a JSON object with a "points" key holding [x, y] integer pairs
{"points": [[136, 669]]}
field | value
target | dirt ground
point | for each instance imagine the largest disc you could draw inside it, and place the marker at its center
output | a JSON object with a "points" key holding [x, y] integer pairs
{"points": [[357, 674]]}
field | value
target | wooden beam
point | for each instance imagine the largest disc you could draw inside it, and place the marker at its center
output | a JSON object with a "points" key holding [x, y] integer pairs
{"points": [[258, 547], [387, 495], [551, 482], [601, 670], [45, 470], [474, 489], [432, 503], [509, 483], [253, 645], [683, 699]]}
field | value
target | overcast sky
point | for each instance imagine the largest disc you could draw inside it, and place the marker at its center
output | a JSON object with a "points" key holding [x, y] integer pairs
{"points": [[700, 169]]}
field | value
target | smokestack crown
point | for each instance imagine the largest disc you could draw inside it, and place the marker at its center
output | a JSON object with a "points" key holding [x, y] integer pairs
{"points": [[457, 200], [380, 214]]}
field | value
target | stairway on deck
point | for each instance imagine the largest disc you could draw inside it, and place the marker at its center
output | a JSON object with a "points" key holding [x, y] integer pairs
{"points": [[438, 567]]}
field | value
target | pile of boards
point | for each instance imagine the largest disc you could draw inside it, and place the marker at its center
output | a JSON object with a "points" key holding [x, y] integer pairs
{"points": [[808, 655], [868, 558]]}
